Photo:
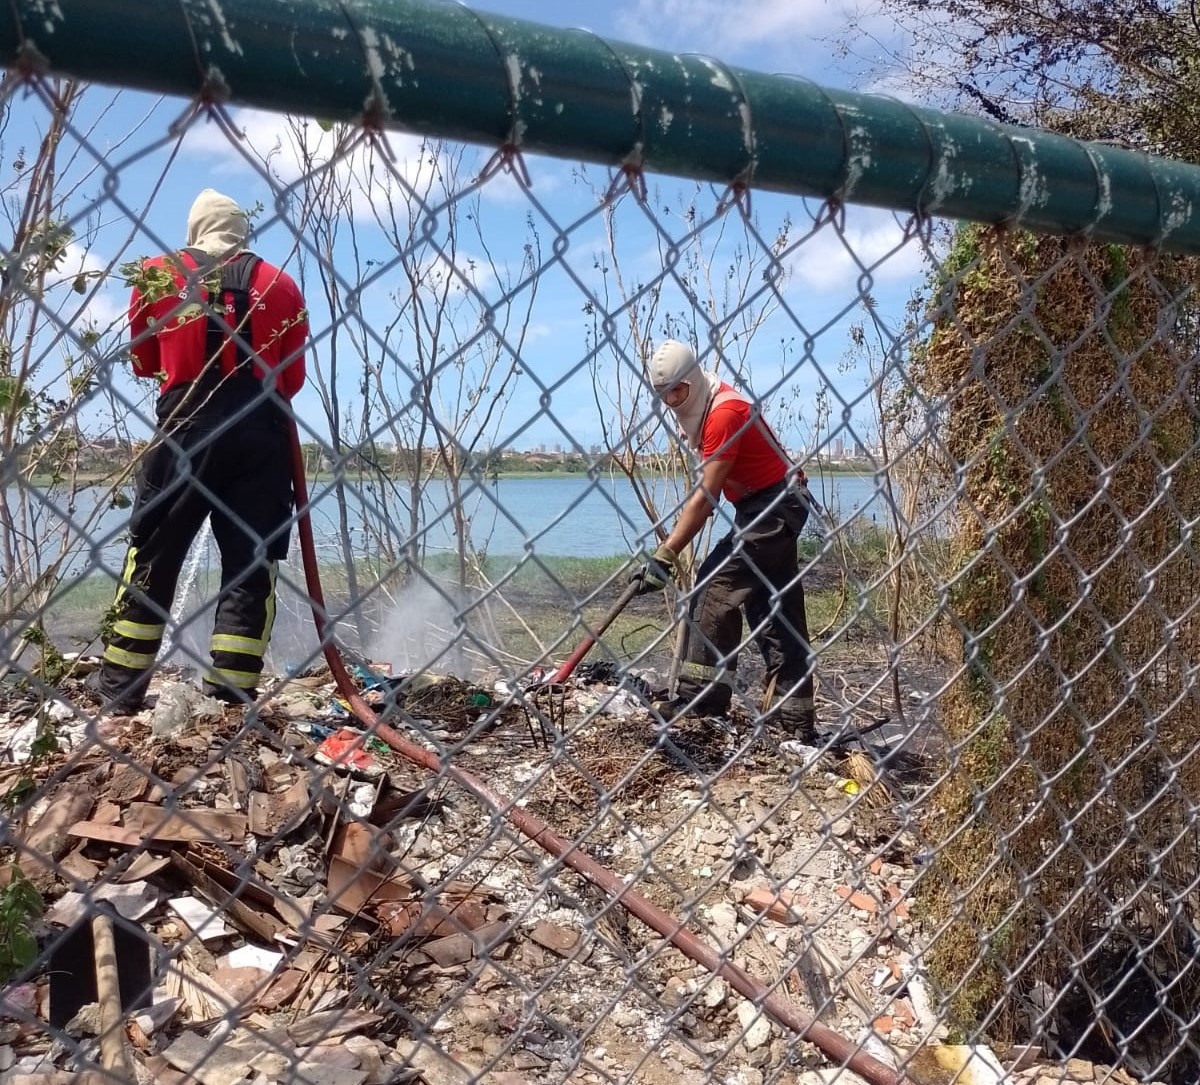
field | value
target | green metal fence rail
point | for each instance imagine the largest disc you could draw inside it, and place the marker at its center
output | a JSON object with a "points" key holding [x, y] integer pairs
{"points": [[439, 68]]}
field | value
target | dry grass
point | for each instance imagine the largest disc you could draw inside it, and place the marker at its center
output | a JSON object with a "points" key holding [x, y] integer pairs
{"points": [[1072, 618]]}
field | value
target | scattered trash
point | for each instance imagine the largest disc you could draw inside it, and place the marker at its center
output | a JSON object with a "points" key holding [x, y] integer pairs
{"points": [[289, 877], [376, 676], [56, 727], [203, 921], [361, 801], [344, 749], [130, 901], [250, 956], [807, 755], [609, 673], [178, 704]]}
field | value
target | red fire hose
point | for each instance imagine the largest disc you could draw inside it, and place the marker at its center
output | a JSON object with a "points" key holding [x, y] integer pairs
{"points": [[837, 1047]]}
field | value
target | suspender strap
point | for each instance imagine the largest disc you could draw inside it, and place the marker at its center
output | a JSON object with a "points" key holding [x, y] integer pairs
{"points": [[756, 416], [236, 276]]}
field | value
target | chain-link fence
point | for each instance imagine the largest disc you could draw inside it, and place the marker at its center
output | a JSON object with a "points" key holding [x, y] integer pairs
{"points": [[427, 848]]}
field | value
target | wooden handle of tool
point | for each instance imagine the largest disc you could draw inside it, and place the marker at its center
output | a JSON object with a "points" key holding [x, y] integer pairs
{"points": [[113, 1055], [564, 672]]}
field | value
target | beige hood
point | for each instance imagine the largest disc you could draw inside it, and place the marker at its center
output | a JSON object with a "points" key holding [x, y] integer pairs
{"points": [[216, 225], [675, 363]]}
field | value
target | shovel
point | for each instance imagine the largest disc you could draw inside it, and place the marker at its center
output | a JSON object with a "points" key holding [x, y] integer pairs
{"points": [[585, 646]]}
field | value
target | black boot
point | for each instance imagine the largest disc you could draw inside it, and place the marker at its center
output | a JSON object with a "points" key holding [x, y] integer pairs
{"points": [[797, 724], [229, 694], [682, 706], [117, 694]]}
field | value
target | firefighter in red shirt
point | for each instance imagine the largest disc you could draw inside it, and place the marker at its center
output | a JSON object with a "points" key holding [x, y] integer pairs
{"points": [[755, 568], [224, 333]]}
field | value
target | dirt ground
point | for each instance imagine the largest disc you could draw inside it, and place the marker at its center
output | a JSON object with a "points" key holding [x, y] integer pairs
{"points": [[425, 937]]}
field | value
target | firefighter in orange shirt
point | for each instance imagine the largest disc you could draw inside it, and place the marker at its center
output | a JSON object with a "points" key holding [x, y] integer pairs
{"points": [[755, 568]]}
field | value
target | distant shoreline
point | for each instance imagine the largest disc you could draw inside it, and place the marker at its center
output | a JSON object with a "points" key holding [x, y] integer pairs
{"points": [[856, 472], [104, 478]]}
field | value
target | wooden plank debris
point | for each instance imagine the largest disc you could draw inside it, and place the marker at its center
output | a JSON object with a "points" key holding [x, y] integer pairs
{"points": [[322, 1027], [255, 920], [191, 824], [49, 838], [147, 824]]}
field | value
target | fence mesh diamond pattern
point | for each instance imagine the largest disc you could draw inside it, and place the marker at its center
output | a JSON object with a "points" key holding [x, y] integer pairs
{"points": [[427, 852]]}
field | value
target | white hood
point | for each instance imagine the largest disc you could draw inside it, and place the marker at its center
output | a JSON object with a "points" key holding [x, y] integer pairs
{"points": [[674, 363], [216, 225]]}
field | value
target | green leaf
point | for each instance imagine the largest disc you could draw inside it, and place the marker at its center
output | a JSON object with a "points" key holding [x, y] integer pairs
{"points": [[23, 948], [13, 390], [24, 895], [20, 903], [18, 793], [44, 743]]}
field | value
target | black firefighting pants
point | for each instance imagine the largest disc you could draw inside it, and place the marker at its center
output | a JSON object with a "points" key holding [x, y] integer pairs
{"points": [[239, 474], [754, 569]]}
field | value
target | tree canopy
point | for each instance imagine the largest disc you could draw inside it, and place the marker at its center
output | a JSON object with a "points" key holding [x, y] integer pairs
{"points": [[1126, 71]]}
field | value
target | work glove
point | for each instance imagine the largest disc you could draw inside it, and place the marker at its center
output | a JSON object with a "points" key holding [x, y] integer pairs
{"points": [[660, 569]]}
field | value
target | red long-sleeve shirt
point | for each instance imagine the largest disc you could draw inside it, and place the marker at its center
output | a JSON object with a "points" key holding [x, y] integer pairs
{"points": [[169, 331]]}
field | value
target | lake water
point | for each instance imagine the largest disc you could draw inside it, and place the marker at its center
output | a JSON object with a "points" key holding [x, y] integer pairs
{"points": [[550, 517], [575, 516], [514, 517]]}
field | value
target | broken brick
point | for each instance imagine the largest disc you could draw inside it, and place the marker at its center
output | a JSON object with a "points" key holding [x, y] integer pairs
{"points": [[858, 899], [551, 936], [776, 904]]}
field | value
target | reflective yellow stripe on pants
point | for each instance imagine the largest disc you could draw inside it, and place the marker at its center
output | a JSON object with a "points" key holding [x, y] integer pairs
{"points": [[716, 676]]}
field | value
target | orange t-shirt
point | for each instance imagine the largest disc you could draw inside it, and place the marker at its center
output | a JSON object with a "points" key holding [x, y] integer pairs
{"points": [[733, 430]]}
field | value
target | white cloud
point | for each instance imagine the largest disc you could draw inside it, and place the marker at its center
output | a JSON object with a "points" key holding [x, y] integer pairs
{"points": [[831, 261], [84, 292], [792, 35], [538, 331], [287, 149], [547, 176], [385, 189]]}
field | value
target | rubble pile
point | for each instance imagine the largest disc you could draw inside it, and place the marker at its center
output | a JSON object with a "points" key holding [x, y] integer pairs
{"points": [[291, 901]]}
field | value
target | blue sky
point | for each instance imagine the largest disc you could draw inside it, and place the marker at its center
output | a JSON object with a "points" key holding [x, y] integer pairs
{"points": [[140, 207], [837, 42]]}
